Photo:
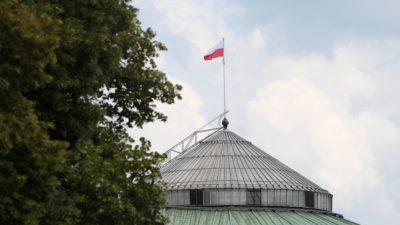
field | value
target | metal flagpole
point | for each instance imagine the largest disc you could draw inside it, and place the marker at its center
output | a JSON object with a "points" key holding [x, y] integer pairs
{"points": [[223, 66], [225, 122]]}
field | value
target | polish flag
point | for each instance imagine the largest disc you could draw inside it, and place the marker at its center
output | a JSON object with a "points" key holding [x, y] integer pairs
{"points": [[217, 51]]}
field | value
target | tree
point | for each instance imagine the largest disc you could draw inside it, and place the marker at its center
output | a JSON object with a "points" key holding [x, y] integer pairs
{"points": [[29, 160], [74, 76]]}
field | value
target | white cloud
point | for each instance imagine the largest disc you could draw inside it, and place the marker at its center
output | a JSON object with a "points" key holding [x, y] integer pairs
{"points": [[307, 120], [199, 22]]}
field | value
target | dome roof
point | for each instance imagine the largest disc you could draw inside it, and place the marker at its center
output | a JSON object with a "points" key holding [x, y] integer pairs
{"points": [[226, 160]]}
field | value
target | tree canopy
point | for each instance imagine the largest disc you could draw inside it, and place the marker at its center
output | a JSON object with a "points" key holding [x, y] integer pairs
{"points": [[74, 75]]}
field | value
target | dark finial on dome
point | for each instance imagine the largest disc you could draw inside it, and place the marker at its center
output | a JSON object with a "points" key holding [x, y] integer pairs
{"points": [[225, 123]]}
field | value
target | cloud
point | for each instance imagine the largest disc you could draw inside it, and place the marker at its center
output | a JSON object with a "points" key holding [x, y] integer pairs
{"points": [[297, 110], [199, 22], [307, 120]]}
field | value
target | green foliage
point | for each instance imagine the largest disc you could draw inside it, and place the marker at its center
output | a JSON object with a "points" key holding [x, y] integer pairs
{"points": [[112, 197], [29, 160], [73, 76]]}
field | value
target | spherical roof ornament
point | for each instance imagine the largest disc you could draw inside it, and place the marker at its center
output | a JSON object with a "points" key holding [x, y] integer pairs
{"points": [[225, 123]]}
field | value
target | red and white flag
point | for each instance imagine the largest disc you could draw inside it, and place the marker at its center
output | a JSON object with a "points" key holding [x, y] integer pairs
{"points": [[217, 51]]}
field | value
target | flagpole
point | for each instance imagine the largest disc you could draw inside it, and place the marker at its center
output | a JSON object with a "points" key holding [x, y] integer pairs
{"points": [[216, 53], [225, 122], [223, 69]]}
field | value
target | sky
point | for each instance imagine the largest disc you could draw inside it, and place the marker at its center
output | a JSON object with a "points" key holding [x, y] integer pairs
{"points": [[312, 83]]}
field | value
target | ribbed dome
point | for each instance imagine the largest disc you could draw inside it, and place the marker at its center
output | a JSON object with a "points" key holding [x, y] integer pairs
{"points": [[225, 160]]}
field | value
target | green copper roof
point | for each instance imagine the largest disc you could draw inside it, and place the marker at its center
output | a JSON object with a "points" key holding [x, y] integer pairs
{"points": [[229, 216]]}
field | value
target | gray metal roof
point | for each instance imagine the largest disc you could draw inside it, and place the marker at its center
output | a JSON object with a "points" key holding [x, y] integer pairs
{"points": [[226, 160]]}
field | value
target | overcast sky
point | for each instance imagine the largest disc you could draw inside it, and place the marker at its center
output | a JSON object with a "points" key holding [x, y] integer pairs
{"points": [[313, 83]]}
